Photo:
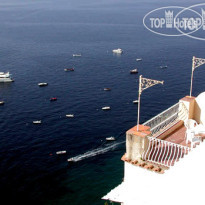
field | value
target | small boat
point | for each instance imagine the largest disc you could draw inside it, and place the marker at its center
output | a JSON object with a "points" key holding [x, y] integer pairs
{"points": [[61, 152], [53, 99], [110, 138], [69, 69], [70, 159], [135, 101], [1, 102], [77, 55], [117, 51], [133, 71], [37, 122], [70, 115], [5, 77], [165, 66], [138, 59], [107, 89], [42, 84], [106, 108]]}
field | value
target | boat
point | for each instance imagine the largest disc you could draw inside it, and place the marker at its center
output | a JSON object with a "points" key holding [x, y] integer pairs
{"points": [[134, 71], [53, 99], [110, 138], [61, 152], [69, 69], [70, 159], [5, 77], [135, 101], [165, 66], [106, 108], [70, 115], [77, 55], [37, 122], [117, 51], [1, 102], [138, 59], [107, 89], [42, 84]]}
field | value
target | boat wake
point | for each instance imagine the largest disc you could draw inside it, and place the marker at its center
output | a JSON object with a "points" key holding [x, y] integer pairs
{"points": [[94, 152]]}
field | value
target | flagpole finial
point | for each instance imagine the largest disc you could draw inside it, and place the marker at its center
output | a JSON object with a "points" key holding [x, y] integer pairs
{"points": [[196, 62], [144, 83]]}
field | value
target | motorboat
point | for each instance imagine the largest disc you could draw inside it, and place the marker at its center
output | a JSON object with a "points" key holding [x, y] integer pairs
{"points": [[42, 84], [37, 122], [138, 59], [110, 138], [5, 77], [69, 69], [134, 71], [70, 159], [135, 101], [1, 102], [106, 108], [77, 55], [61, 152], [53, 99], [70, 115], [165, 66], [117, 51], [107, 89]]}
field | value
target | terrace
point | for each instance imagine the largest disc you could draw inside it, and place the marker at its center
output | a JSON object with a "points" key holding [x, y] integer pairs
{"points": [[162, 141]]}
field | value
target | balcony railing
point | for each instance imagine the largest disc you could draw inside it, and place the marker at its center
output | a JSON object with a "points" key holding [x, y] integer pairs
{"points": [[166, 119], [163, 152]]}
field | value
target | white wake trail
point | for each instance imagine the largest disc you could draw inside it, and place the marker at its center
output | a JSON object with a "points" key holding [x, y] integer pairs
{"points": [[94, 152]]}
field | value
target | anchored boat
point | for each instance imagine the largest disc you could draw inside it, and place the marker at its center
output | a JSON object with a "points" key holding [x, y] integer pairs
{"points": [[70, 115], [117, 51], [69, 69], [5, 77], [77, 55], [61, 152], [134, 71], [106, 108], [107, 89], [37, 122], [110, 139], [42, 84]]}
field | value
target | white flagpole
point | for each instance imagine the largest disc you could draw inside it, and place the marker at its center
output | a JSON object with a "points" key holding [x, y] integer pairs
{"points": [[192, 73], [139, 94]]}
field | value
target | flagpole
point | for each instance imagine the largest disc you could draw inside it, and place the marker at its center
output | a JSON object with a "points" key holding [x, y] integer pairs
{"points": [[139, 94], [192, 74]]}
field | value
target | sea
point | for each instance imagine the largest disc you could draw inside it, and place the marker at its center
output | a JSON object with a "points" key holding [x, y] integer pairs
{"points": [[37, 42]]}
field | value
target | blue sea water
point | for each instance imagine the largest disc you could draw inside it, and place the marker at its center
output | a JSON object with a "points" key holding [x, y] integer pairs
{"points": [[37, 41]]}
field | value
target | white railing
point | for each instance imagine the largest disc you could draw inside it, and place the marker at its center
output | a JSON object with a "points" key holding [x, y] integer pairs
{"points": [[163, 152], [166, 119]]}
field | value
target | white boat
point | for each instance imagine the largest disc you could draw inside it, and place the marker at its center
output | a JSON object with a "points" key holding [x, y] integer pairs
{"points": [[42, 84], [110, 138], [70, 160], [37, 122], [1, 102], [163, 66], [135, 101], [134, 71], [5, 77], [107, 89], [70, 115], [61, 152], [77, 55], [118, 51], [106, 108], [138, 59]]}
